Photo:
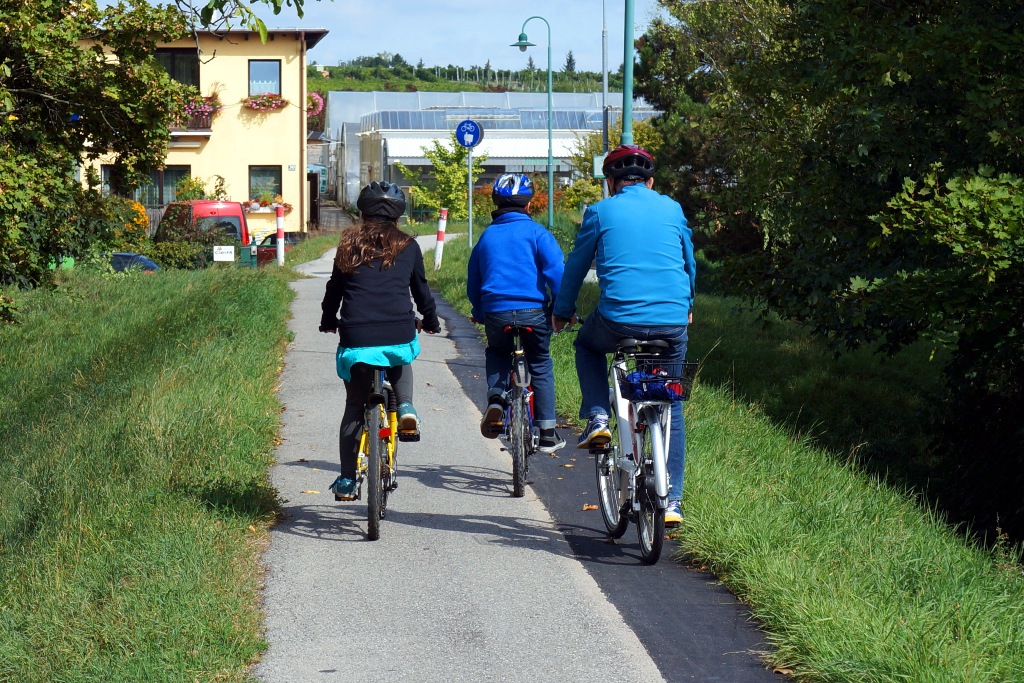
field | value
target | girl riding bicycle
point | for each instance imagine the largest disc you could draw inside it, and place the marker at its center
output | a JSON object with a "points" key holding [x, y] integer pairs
{"points": [[375, 268]]}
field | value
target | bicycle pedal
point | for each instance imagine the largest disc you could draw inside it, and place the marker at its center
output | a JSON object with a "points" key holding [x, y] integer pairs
{"points": [[409, 436]]}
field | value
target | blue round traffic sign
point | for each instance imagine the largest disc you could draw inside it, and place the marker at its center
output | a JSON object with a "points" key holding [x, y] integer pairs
{"points": [[469, 133]]}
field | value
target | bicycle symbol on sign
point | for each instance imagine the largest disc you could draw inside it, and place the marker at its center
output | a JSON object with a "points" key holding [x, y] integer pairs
{"points": [[468, 127], [469, 133]]}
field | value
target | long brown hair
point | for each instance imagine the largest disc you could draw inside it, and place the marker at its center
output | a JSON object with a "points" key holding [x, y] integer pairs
{"points": [[376, 238]]}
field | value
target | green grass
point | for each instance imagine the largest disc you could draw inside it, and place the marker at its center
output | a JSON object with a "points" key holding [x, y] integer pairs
{"points": [[311, 248], [138, 423], [853, 579]]}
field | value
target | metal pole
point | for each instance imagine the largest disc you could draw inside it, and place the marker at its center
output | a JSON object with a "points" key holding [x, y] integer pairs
{"points": [[469, 176], [551, 163], [523, 44], [604, 88], [627, 77]]}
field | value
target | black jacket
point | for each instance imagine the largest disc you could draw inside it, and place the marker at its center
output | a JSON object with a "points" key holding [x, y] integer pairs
{"points": [[375, 305]]}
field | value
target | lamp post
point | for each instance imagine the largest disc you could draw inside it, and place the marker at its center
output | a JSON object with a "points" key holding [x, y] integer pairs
{"points": [[522, 44], [627, 77]]}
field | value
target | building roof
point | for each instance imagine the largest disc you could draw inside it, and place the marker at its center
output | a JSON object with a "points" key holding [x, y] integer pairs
{"points": [[311, 36]]}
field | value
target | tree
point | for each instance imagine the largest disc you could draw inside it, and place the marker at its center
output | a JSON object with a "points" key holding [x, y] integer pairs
{"points": [[449, 186], [585, 188], [62, 100], [876, 149], [570, 64]]}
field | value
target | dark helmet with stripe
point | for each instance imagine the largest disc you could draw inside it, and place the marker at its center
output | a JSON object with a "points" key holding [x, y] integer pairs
{"points": [[382, 199], [512, 189], [629, 162]]}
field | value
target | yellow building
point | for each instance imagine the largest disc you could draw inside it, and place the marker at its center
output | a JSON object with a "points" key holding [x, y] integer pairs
{"points": [[256, 140]]}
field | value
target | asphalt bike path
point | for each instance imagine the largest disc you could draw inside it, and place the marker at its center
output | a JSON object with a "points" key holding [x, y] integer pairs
{"points": [[466, 582]]}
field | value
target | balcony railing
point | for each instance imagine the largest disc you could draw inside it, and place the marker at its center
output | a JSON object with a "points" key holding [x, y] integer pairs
{"points": [[194, 122]]}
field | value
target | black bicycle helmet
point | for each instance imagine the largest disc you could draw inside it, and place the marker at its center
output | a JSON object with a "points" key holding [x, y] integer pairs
{"points": [[629, 162], [382, 199]]}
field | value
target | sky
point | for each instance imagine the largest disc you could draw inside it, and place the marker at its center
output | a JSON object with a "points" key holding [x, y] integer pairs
{"points": [[464, 33]]}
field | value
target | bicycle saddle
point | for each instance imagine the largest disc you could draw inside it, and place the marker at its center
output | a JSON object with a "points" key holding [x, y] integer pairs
{"points": [[634, 346]]}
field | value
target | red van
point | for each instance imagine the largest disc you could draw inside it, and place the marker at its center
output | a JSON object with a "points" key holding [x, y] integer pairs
{"points": [[210, 221]]}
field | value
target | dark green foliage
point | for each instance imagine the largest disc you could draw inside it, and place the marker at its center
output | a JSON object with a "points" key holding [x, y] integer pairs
{"points": [[858, 165], [61, 101]]}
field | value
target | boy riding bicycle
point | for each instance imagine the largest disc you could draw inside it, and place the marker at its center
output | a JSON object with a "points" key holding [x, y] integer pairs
{"points": [[514, 274]]}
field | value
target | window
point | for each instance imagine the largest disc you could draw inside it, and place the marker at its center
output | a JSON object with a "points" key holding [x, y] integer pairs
{"points": [[264, 76], [181, 64], [264, 181], [160, 189]]}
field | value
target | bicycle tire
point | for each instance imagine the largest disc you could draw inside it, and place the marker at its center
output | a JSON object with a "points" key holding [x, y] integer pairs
{"points": [[650, 523], [376, 490], [609, 483], [519, 428]]}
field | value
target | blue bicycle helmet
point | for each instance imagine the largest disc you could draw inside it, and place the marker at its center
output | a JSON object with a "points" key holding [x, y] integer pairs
{"points": [[512, 189]]}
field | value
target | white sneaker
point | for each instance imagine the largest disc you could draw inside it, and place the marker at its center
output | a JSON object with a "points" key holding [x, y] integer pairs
{"points": [[673, 517]]}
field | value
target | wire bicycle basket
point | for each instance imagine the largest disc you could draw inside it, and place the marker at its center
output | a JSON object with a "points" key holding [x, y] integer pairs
{"points": [[648, 380]]}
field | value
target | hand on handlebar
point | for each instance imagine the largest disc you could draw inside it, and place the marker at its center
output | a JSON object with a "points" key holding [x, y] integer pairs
{"points": [[330, 329], [558, 323]]}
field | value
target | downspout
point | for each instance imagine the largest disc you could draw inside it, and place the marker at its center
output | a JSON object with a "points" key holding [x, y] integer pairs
{"points": [[303, 166]]}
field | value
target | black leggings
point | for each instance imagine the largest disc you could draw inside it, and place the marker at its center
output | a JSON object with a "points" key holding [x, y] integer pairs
{"points": [[356, 391]]}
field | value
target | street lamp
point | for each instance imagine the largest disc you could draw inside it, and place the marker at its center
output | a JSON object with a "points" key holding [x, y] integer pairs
{"points": [[627, 76], [522, 44]]}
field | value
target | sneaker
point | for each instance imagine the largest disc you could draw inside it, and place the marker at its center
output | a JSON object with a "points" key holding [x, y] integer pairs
{"points": [[493, 422], [408, 420], [550, 441], [596, 432], [344, 488], [673, 517]]}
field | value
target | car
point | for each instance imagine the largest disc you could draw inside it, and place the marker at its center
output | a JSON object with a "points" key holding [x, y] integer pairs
{"points": [[209, 221], [266, 251], [122, 261]]}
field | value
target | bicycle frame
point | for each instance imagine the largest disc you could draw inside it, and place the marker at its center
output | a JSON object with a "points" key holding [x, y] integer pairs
{"points": [[519, 430], [633, 417], [380, 393]]}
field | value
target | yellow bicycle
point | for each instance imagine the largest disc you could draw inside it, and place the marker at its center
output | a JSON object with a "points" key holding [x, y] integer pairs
{"points": [[377, 462]]}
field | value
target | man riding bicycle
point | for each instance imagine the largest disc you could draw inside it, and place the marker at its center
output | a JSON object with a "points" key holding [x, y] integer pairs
{"points": [[646, 272]]}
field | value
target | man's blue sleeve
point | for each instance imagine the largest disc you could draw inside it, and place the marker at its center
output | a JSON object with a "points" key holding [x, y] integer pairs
{"points": [[577, 265]]}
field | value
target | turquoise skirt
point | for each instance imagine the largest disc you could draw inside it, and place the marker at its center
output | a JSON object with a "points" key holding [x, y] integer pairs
{"points": [[382, 356]]}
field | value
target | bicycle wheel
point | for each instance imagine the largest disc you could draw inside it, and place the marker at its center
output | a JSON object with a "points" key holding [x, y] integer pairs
{"points": [[376, 470], [650, 523], [519, 432], [609, 483]]}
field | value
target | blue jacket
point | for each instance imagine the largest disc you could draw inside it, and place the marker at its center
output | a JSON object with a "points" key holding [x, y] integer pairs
{"points": [[644, 254], [516, 264]]}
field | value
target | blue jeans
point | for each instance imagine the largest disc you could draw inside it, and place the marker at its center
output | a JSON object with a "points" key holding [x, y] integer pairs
{"points": [[597, 338], [536, 347]]}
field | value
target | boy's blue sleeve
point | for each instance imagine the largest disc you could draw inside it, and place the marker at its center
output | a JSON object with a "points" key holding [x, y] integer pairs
{"points": [[550, 262], [577, 265], [473, 283]]}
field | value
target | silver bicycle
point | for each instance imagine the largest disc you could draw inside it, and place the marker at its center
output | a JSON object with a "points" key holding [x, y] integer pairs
{"points": [[632, 468]]}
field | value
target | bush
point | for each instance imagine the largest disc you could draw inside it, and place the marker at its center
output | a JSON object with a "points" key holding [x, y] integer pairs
{"points": [[182, 255]]}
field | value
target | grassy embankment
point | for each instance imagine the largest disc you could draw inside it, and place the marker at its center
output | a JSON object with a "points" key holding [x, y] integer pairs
{"points": [[853, 579], [139, 418]]}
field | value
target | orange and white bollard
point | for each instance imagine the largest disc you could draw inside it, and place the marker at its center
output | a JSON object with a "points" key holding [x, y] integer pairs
{"points": [[442, 223]]}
